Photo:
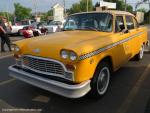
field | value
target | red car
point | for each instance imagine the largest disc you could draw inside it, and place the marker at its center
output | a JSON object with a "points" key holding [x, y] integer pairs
{"points": [[30, 31], [27, 32]]}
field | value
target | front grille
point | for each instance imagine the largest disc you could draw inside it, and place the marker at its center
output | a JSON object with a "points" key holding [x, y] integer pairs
{"points": [[43, 65]]}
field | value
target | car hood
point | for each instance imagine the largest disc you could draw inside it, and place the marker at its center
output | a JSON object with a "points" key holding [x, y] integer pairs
{"points": [[80, 42], [51, 26]]}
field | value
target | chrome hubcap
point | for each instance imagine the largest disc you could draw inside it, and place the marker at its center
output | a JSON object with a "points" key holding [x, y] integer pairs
{"points": [[103, 80], [141, 52]]}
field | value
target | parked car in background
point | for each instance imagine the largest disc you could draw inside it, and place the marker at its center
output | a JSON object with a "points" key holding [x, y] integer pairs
{"points": [[33, 30], [16, 28], [40, 26], [54, 26], [27, 31]]}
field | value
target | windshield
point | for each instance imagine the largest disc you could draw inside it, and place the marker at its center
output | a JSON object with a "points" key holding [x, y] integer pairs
{"points": [[55, 23], [24, 23], [90, 21]]}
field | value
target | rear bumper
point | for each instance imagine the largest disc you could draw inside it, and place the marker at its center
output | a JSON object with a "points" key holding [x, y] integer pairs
{"points": [[63, 89]]}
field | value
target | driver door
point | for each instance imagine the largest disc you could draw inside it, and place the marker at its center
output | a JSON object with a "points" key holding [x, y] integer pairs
{"points": [[122, 50]]}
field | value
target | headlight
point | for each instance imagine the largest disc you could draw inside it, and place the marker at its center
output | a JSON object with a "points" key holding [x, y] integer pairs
{"points": [[68, 55], [73, 56], [64, 54], [15, 48]]}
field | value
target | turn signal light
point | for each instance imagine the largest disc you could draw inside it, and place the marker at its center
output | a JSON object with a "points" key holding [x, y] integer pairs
{"points": [[17, 56], [70, 67]]}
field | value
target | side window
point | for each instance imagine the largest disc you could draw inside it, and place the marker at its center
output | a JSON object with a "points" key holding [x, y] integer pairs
{"points": [[119, 24], [129, 22]]}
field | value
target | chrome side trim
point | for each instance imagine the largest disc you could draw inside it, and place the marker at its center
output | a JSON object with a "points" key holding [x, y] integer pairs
{"points": [[96, 52], [63, 89], [47, 73]]}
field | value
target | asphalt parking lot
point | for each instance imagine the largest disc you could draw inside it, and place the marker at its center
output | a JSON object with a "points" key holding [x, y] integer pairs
{"points": [[129, 92]]}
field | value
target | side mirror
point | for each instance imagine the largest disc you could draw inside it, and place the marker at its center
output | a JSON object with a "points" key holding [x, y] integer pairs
{"points": [[125, 31]]}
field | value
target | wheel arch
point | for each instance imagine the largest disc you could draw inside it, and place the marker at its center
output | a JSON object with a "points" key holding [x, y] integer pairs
{"points": [[108, 59]]}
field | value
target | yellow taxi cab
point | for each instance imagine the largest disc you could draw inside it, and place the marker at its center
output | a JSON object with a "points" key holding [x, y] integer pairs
{"points": [[81, 58]]}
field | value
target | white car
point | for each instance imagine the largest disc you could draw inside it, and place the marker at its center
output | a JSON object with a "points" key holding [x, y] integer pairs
{"points": [[54, 26], [15, 29]]}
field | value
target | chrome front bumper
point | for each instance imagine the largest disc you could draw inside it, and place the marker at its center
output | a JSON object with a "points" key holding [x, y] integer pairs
{"points": [[63, 89]]}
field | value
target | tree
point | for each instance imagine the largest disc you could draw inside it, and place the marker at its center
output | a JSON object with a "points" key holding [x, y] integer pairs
{"points": [[97, 4], [21, 12], [7, 15], [146, 17], [47, 14], [142, 10], [81, 7], [75, 8]]}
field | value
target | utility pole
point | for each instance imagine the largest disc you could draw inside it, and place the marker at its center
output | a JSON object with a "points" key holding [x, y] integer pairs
{"points": [[64, 7], [35, 7], [87, 5], [149, 10], [14, 17], [7, 13], [125, 5]]}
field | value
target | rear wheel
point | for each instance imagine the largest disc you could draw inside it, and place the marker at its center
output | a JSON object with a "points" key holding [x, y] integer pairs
{"points": [[140, 55], [100, 81]]}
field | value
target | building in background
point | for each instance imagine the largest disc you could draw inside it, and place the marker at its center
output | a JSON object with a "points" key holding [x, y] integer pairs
{"points": [[37, 16], [58, 13], [140, 17]]}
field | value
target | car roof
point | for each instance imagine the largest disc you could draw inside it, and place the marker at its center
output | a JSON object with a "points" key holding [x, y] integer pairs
{"points": [[114, 12]]}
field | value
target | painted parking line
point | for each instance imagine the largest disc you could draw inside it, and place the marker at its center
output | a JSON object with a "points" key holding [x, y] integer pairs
{"points": [[6, 56], [125, 106], [7, 81], [41, 98], [4, 104]]}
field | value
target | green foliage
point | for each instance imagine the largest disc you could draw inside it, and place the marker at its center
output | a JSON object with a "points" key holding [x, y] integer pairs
{"points": [[147, 17], [7, 15], [22, 12], [46, 15], [75, 8], [97, 4], [142, 10], [50, 13], [81, 7]]}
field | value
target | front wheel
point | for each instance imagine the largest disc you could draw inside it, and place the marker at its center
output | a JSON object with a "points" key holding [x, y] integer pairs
{"points": [[100, 81]]}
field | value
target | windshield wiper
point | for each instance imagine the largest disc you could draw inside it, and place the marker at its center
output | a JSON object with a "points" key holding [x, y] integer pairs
{"points": [[87, 28], [69, 29], [82, 28]]}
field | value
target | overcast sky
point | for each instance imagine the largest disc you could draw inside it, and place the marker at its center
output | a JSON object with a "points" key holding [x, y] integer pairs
{"points": [[44, 5]]}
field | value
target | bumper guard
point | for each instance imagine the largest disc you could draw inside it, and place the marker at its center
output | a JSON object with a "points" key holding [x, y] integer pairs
{"points": [[63, 89]]}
